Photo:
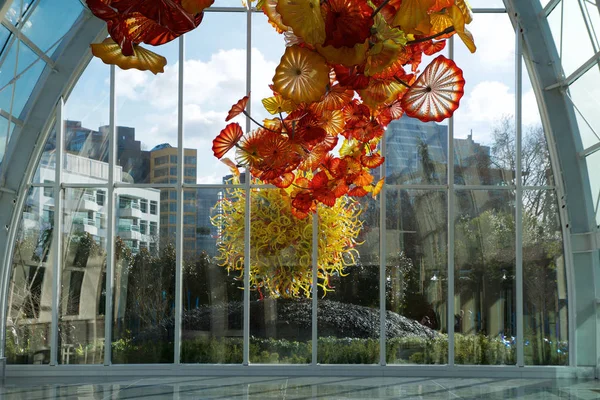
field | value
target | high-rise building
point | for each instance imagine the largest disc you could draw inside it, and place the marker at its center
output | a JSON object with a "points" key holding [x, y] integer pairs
{"points": [[89, 143], [163, 169]]}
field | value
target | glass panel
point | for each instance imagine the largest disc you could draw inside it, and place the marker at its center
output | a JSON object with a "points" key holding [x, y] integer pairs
{"points": [[584, 92], [215, 79], [545, 284], [488, 104], [18, 9], [83, 271], [348, 315], [5, 135], [212, 296], [5, 34], [484, 286], [535, 156], [593, 167], [577, 40], [417, 152], [30, 291], [416, 276], [25, 83], [49, 21], [147, 108], [591, 13], [555, 23], [85, 156], [45, 172], [144, 290], [281, 277]]}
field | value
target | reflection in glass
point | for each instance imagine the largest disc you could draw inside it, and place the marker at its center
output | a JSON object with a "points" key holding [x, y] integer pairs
{"points": [[30, 290], [545, 282], [416, 276], [85, 152], [212, 294], [81, 303], [417, 152], [281, 276], [348, 314], [144, 290], [484, 285]]}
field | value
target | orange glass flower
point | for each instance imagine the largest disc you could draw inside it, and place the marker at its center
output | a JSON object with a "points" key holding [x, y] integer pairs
{"points": [[347, 22], [305, 19], [302, 75]]}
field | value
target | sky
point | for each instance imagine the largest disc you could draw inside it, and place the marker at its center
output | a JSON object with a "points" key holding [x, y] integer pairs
{"points": [[215, 78]]}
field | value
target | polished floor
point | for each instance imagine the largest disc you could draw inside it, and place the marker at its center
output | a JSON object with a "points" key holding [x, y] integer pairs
{"points": [[244, 388]]}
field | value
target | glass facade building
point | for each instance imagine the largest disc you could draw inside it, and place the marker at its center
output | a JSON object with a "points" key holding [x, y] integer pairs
{"points": [[481, 250]]}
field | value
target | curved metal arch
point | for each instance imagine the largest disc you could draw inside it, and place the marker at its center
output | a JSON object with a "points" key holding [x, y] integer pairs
{"points": [[577, 209], [558, 118], [24, 148]]}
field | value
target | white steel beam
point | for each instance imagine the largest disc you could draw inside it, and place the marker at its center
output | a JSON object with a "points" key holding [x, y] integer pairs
{"points": [[179, 228], [519, 194], [110, 223], [57, 233]]}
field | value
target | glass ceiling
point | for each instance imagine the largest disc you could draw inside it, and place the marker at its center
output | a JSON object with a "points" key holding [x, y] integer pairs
{"points": [[575, 27], [30, 33]]}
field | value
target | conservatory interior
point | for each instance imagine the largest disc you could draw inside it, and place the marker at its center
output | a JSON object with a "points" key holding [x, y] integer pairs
{"points": [[335, 188]]}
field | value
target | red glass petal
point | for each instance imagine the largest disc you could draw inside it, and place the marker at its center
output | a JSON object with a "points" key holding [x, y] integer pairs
{"points": [[436, 93], [227, 139], [237, 108]]}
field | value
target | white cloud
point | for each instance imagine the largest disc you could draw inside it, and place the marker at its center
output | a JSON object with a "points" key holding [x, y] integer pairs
{"points": [[488, 100], [495, 40], [149, 103]]}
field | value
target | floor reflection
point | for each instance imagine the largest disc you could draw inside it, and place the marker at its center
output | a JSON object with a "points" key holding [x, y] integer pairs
{"points": [[264, 387]]}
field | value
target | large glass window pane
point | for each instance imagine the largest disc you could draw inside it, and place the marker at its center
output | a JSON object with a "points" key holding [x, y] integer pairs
{"points": [[584, 92], [417, 152], [85, 153], [83, 269], [281, 278], [17, 10], [416, 276], [484, 283], [215, 79], [577, 45], [49, 21], [348, 314], [144, 285], [488, 103], [45, 172], [30, 291], [5, 135], [545, 282], [593, 167], [147, 118], [212, 295], [27, 79]]}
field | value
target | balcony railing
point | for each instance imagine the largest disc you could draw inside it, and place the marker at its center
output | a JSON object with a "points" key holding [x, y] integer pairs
{"points": [[84, 221], [129, 228], [129, 205]]}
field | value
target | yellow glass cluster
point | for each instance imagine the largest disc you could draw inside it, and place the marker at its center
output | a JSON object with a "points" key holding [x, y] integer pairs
{"points": [[281, 244]]}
